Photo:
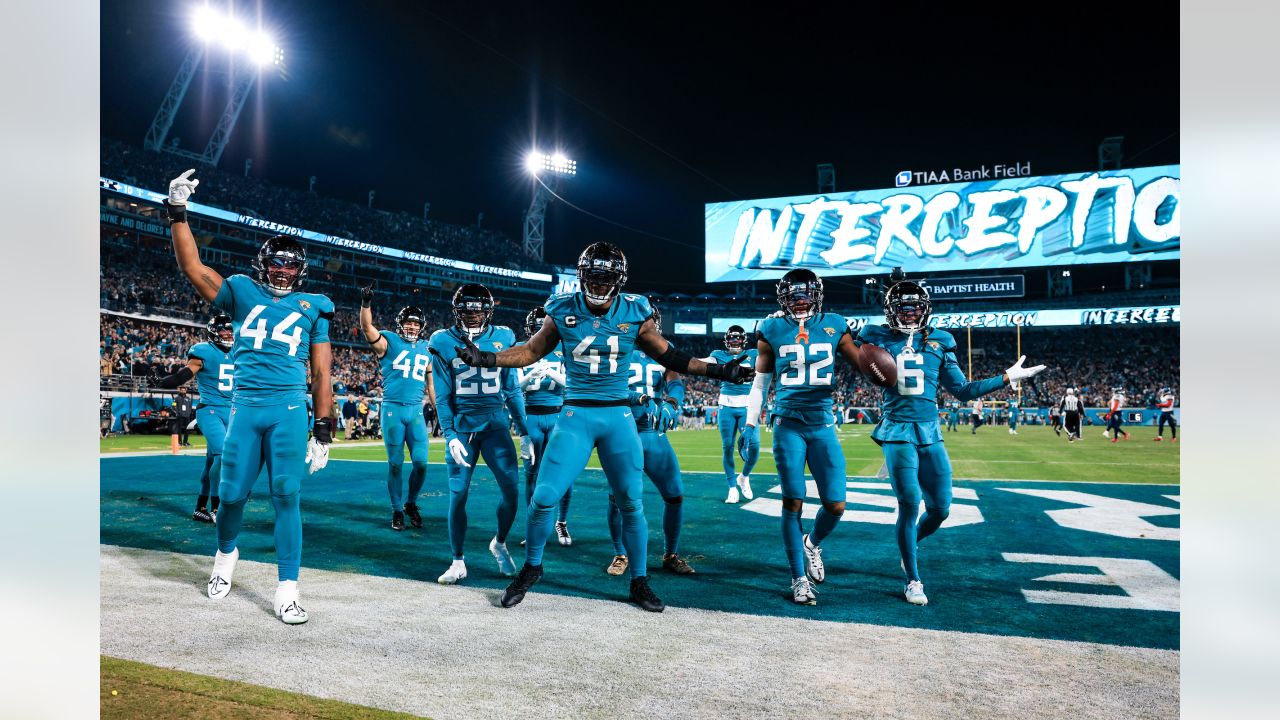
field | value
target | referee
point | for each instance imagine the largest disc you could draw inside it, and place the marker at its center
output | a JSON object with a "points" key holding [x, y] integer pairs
{"points": [[1070, 407]]}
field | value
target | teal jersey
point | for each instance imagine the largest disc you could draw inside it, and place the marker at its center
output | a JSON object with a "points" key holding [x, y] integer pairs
{"points": [[274, 336], [804, 366], [544, 392], [1013, 407], [929, 362], [724, 357], [404, 370], [597, 349], [216, 378], [645, 379], [468, 399]]}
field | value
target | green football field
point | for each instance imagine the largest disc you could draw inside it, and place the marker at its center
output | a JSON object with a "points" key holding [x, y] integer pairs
{"points": [[1035, 453]]}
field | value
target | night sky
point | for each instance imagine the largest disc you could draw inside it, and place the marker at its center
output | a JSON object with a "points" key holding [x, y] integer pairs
{"points": [[664, 109]]}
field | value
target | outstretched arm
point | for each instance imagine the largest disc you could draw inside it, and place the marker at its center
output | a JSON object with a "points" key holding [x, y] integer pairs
{"points": [[185, 373], [849, 350], [764, 373], [206, 281], [524, 355], [655, 346], [371, 334]]}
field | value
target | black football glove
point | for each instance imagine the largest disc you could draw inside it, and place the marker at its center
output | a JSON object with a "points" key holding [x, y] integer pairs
{"points": [[473, 356], [734, 371], [323, 430], [366, 295]]}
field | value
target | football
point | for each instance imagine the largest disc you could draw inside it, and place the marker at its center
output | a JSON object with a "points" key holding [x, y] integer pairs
{"points": [[877, 364]]}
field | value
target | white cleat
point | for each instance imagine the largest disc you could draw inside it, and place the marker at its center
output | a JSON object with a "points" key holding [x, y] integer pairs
{"points": [[457, 571], [744, 484], [802, 592], [220, 579], [733, 496], [506, 565], [562, 533], [914, 593], [286, 604], [813, 566]]}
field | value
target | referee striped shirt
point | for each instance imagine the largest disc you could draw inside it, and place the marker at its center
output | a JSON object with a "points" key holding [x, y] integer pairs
{"points": [[1071, 403]]}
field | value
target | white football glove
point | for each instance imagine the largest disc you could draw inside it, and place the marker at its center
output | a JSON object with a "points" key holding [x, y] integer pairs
{"points": [[181, 187], [1017, 373], [527, 453], [317, 455], [459, 452]]}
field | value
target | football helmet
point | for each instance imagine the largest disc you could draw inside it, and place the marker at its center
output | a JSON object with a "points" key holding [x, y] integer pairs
{"points": [[907, 307], [472, 308], [735, 339], [533, 321], [219, 325], [800, 294], [602, 271], [281, 265], [410, 314]]}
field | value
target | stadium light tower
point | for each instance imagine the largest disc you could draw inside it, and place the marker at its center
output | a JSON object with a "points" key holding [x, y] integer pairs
{"points": [[215, 31], [554, 167]]}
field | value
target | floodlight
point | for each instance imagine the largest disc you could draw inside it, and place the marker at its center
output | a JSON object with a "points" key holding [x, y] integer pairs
{"points": [[558, 163], [533, 162], [262, 50], [205, 23]]}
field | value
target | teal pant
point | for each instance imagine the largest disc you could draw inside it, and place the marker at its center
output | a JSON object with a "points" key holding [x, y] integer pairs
{"points": [[401, 424], [663, 469], [916, 472], [731, 422], [212, 420], [794, 444], [540, 427], [493, 444], [272, 436], [610, 431]]}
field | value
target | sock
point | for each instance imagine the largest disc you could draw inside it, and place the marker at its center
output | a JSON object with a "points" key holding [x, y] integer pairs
{"points": [[905, 530], [615, 527], [229, 521], [457, 521], [564, 505], [507, 508], [202, 501], [635, 537], [288, 533], [672, 518], [793, 542], [417, 478], [213, 503], [537, 532], [395, 485], [206, 475], [823, 524]]}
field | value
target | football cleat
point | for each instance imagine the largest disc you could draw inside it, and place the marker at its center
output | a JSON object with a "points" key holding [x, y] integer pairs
{"points": [[515, 592], [672, 562], [286, 604], [643, 595], [457, 571], [914, 592], [733, 496], [744, 485], [562, 533], [802, 592], [618, 566], [397, 520], [1175, 439], [415, 517], [1157, 438], [506, 565], [220, 579], [813, 566], [202, 515]]}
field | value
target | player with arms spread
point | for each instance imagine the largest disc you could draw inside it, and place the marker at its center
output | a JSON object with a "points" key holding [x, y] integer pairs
{"points": [[733, 416], [909, 435], [598, 326], [406, 379], [470, 401], [800, 343], [280, 329], [210, 363], [543, 386]]}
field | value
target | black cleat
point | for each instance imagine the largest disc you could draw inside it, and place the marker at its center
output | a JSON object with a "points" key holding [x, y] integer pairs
{"points": [[415, 517], [397, 520], [642, 595], [202, 515], [529, 574], [672, 562]]}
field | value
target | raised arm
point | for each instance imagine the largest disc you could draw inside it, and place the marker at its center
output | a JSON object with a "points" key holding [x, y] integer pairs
{"points": [[651, 342], [206, 281], [371, 334]]}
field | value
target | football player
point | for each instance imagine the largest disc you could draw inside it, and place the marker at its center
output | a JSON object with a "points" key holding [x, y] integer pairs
{"points": [[600, 326], [654, 415], [733, 414], [279, 329], [406, 378], [976, 417], [953, 416], [800, 343], [543, 387], [1166, 415], [210, 363], [1013, 416], [470, 402], [909, 435], [1114, 417]]}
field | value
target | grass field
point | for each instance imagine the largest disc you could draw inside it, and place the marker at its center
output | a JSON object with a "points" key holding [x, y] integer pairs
{"points": [[1035, 453]]}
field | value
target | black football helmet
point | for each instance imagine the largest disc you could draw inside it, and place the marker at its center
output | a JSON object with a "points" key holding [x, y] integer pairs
{"points": [[408, 314], [800, 294], [907, 306], [602, 271], [656, 317], [281, 265], [472, 308], [533, 321], [219, 324], [735, 340]]}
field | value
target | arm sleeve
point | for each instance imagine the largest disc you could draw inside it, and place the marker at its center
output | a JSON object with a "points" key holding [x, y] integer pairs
{"points": [[755, 398], [675, 390], [514, 398], [442, 381], [320, 331], [953, 380]]}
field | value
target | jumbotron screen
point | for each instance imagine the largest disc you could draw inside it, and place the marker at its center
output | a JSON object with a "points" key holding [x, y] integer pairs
{"points": [[1097, 217]]}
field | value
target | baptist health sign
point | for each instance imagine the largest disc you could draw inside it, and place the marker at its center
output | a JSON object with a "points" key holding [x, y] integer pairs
{"points": [[1114, 216]]}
